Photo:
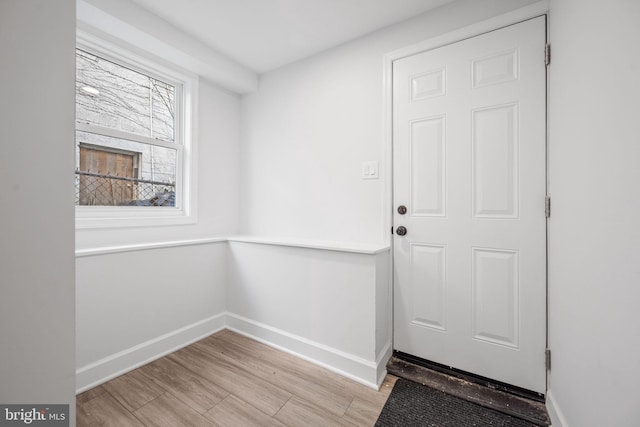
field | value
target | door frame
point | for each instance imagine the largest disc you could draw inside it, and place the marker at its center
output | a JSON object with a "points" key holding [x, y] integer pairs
{"points": [[534, 10]]}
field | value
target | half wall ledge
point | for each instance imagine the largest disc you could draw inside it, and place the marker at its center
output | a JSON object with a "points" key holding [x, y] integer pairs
{"points": [[354, 247]]}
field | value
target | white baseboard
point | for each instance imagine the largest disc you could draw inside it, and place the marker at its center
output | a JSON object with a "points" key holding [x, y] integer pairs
{"points": [[381, 362], [557, 419], [103, 370], [367, 372], [354, 367]]}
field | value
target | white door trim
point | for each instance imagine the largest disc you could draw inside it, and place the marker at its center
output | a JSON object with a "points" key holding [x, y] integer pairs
{"points": [[533, 10]]}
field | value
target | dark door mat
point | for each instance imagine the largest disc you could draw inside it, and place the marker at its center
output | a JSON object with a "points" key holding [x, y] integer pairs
{"points": [[413, 404], [532, 412]]}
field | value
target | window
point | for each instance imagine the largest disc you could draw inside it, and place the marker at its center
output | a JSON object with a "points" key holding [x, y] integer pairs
{"points": [[133, 143]]}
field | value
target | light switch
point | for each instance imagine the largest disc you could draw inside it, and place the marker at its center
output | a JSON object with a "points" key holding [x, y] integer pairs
{"points": [[370, 170]]}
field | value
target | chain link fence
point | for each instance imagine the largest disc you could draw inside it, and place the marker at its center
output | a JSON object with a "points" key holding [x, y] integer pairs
{"points": [[94, 189]]}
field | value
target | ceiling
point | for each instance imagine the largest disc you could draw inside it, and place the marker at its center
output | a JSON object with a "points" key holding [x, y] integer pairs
{"points": [[266, 34]]}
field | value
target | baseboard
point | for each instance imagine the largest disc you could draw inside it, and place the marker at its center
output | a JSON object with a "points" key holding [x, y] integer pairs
{"points": [[354, 367], [369, 373], [103, 370], [557, 418], [381, 362]]}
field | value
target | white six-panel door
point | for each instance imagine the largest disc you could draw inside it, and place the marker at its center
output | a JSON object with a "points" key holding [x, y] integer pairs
{"points": [[470, 168]]}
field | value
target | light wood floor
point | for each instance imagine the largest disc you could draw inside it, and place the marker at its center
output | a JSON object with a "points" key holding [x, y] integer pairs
{"points": [[230, 380]]}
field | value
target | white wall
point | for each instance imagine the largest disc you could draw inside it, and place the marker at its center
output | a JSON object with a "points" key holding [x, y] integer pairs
{"points": [[127, 302], [37, 41], [320, 304], [138, 304], [134, 306], [310, 125], [595, 236]]}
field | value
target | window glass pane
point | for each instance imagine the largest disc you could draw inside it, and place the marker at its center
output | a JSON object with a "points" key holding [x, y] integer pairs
{"points": [[163, 113], [110, 95], [118, 172]]}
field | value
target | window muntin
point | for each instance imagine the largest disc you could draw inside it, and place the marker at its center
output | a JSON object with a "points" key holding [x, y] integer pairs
{"points": [[129, 149]]}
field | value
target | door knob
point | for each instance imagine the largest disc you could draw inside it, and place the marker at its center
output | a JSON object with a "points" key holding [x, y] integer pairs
{"points": [[402, 209], [401, 231]]}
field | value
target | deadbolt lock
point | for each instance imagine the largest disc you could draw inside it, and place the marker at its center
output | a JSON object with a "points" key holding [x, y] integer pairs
{"points": [[402, 209]]}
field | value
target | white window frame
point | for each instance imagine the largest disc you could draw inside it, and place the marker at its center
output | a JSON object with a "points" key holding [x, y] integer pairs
{"points": [[185, 143]]}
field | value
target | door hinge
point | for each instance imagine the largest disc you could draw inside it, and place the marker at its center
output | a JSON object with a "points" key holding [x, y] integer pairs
{"points": [[547, 206], [547, 359], [547, 54]]}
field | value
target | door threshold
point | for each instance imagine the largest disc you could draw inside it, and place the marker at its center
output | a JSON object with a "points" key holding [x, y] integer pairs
{"points": [[514, 401], [472, 378]]}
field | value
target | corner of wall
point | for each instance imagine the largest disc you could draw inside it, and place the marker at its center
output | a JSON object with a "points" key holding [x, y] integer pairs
{"points": [[37, 41], [124, 361], [557, 418]]}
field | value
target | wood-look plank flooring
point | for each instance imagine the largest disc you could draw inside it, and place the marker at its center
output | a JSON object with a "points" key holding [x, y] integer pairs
{"points": [[230, 380]]}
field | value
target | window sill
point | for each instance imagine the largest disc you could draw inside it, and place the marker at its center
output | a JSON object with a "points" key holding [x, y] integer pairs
{"points": [[118, 217]]}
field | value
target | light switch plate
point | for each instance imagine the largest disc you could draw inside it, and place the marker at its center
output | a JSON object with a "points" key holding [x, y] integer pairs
{"points": [[370, 169]]}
